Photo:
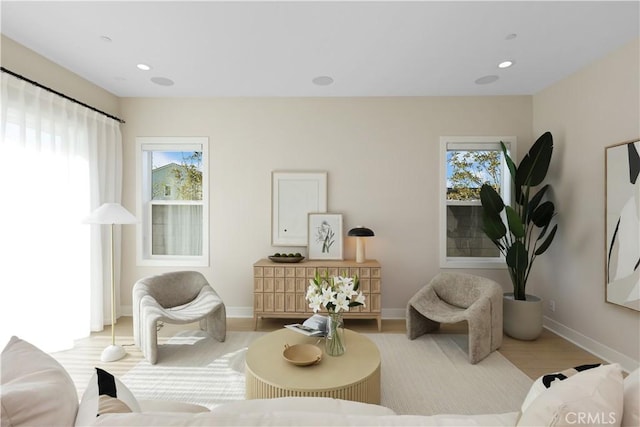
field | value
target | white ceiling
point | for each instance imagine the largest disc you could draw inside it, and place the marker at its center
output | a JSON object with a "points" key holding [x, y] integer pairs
{"points": [[393, 48]]}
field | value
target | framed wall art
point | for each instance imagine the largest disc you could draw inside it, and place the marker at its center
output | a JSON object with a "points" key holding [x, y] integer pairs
{"points": [[622, 224], [293, 196], [325, 236]]}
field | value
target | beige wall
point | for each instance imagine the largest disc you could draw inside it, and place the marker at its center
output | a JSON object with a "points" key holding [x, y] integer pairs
{"points": [[594, 108], [381, 155], [29, 64]]}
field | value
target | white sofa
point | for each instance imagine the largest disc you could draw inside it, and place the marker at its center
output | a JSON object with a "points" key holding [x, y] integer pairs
{"points": [[37, 391]]}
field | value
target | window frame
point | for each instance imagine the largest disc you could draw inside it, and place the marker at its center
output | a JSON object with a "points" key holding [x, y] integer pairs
{"points": [[470, 143], [143, 202]]}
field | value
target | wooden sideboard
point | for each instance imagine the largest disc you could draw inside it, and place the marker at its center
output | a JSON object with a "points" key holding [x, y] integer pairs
{"points": [[279, 289]]}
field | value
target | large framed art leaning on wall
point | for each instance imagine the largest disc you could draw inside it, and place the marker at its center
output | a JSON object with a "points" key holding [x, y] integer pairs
{"points": [[622, 224]]}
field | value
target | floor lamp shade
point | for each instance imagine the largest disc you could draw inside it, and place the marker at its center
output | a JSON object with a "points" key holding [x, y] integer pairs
{"points": [[112, 213]]}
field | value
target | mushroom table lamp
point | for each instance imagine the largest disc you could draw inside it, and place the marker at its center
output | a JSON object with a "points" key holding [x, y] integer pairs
{"points": [[360, 233]]}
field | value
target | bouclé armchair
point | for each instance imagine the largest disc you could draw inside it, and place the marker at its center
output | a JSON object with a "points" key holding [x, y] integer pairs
{"points": [[179, 297], [456, 297]]}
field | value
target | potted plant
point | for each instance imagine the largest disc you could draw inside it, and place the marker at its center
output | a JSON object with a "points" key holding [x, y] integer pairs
{"points": [[522, 233]]}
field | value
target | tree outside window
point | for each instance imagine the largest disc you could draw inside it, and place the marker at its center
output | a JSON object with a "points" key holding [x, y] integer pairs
{"points": [[468, 164]]}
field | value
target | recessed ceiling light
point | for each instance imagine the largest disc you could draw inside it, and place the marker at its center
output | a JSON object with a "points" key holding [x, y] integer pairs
{"points": [[143, 67], [487, 79], [322, 81], [162, 81], [505, 64]]}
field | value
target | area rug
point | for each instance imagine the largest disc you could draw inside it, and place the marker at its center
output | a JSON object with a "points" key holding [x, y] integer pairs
{"points": [[428, 375]]}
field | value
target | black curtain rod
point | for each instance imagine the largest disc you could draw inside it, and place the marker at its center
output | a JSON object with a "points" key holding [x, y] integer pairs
{"points": [[4, 70]]}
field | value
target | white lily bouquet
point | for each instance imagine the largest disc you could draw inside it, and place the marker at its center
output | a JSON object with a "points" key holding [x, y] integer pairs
{"points": [[336, 294]]}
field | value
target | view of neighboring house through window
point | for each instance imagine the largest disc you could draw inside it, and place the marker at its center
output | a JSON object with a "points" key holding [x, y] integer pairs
{"points": [[467, 164], [174, 201]]}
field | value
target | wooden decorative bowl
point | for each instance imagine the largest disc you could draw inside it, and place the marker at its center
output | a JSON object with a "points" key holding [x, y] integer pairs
{"points": [[302, 354]]}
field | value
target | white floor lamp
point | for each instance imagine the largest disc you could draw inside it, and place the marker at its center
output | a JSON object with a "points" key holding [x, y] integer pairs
{"points": [[112, 213]]}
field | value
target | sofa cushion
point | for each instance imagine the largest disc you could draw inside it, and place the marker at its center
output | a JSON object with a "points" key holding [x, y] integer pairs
{"points": [[547, 380], [592, 397], [36, 390], [631, 417], [105, 394]]}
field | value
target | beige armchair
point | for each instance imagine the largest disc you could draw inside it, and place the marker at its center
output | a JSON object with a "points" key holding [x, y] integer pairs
{"points": [[454, 297], [179, 298]]}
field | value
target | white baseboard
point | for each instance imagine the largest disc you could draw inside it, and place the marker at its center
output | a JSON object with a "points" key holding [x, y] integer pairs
{"points": [[592, 346]]}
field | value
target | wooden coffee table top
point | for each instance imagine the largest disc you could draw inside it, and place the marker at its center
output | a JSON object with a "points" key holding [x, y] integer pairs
{"points": [[264, 361]]}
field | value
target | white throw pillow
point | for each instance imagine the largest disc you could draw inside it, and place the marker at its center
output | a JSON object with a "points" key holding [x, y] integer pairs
{"points": [[547, 380], [592, 397], [105, 394], [631, 417], [36, 390]]}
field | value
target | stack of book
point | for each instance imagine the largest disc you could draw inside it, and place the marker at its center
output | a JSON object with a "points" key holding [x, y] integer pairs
{"points": [[315, 326]]}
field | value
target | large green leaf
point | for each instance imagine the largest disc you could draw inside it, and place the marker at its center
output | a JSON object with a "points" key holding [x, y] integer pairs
{"points": [[510, 164], [517, 257], [543, 214], [493, 227], [537, 198], [534, 165], [543, 247], [492, 203], [515, 223]]}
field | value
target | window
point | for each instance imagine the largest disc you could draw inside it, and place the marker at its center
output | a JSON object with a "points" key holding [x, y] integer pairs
{"points": [[466, 164], [173, 201]]}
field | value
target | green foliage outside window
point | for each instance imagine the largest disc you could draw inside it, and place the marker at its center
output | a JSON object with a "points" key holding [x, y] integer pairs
{"points": [[467, 171]]}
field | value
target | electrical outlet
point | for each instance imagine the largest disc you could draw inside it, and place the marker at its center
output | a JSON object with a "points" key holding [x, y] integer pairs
{"points": [[552, 306]]}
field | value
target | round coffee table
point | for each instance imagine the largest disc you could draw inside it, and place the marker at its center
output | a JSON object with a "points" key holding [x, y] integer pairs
{"points": [[353, 376]]}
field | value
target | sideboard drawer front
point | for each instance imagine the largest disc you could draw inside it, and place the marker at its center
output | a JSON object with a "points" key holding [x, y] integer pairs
{"points": [[269, 285], [290, 303], [269, 302], [376, 286], [302, 305], [374, 304], [365, 286], [258, 302], [280, 290], [279, 302], [302, 285], [290, 285]]}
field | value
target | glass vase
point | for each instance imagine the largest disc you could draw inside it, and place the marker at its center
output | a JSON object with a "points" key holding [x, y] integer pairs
{"points": [[334, 342]]}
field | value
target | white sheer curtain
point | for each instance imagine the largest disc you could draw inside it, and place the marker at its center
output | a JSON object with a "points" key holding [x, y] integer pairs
{"points": [[179, 228], [60, 161]]}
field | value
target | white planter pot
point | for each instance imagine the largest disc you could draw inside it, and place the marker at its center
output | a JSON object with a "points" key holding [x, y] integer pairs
{"points": [[522, 320]]}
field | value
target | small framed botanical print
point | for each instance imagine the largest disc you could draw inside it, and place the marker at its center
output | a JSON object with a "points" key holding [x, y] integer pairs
{"points": [[324, 236]]}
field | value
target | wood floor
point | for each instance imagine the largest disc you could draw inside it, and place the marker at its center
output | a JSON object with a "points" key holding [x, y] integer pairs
{"points": [[549, 353]]}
